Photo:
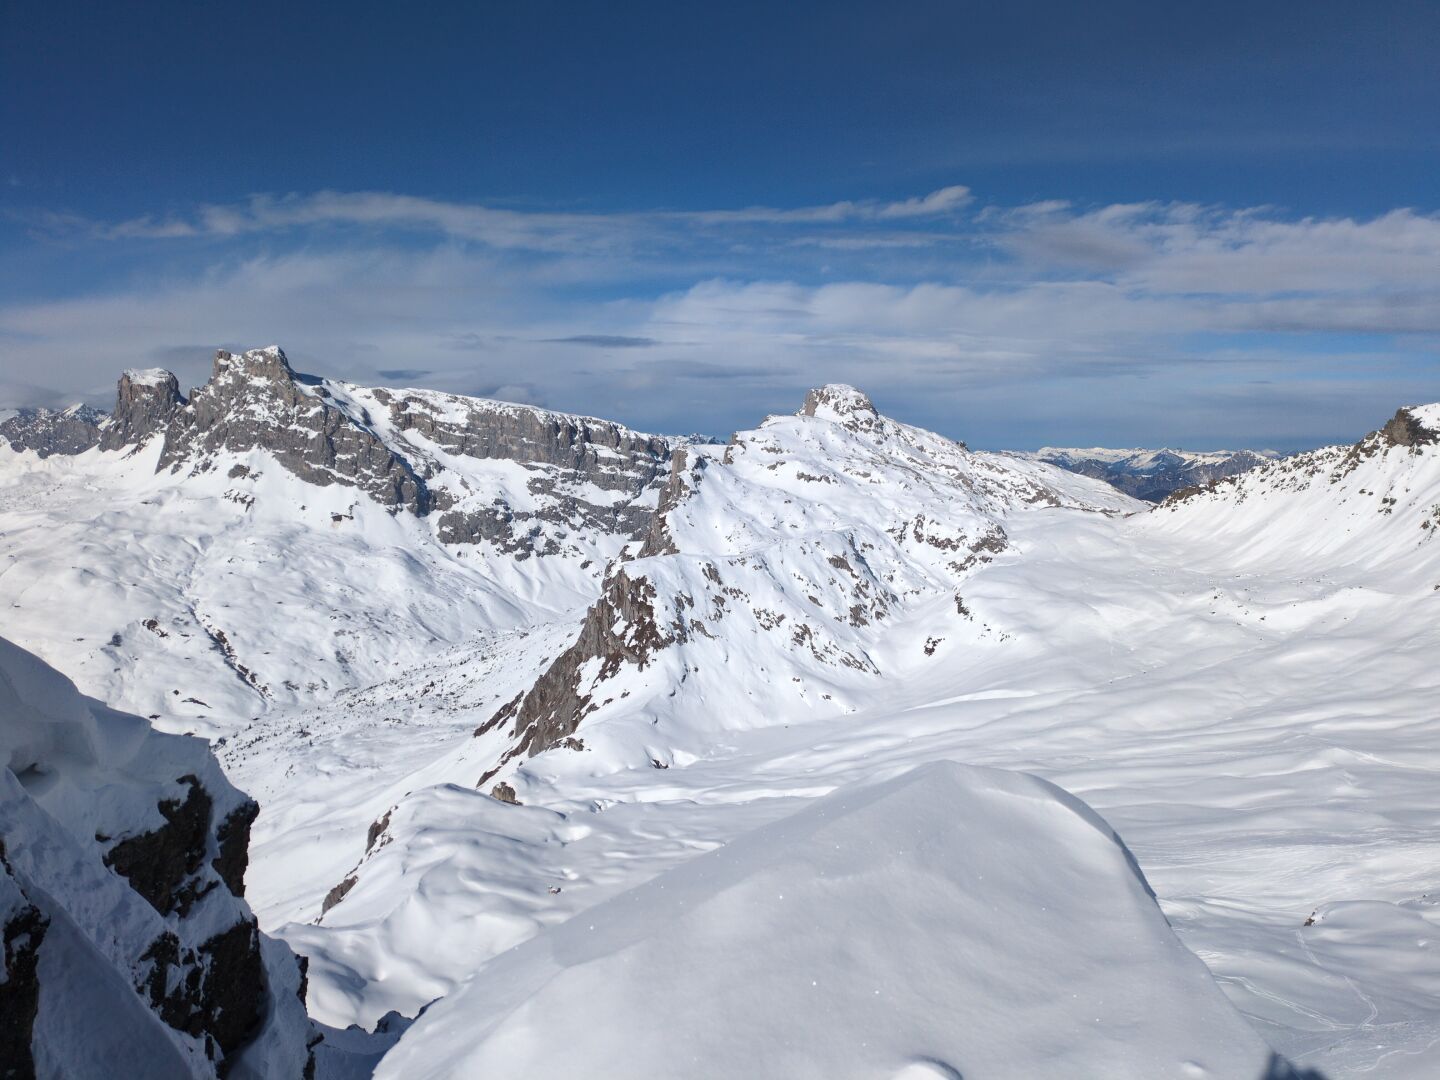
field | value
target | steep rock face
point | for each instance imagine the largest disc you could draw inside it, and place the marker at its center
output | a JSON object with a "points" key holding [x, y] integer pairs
{"points": [[255, 401], [145, 402], [621, 628], [799, 544], [123, 850], [22, 932], [48, 431], [582, 474]]}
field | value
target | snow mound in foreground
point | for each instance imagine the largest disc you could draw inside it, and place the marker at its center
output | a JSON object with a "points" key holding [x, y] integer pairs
{"points": [[952, 921]]}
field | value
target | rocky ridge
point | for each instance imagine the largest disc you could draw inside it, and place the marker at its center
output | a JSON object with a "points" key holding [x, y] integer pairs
{"points": [[414, 451], [51, 431], [1407, 433]]}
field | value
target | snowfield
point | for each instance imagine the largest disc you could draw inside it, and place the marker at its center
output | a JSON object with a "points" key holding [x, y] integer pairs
{"points": [[951, 922], [465, 758]]}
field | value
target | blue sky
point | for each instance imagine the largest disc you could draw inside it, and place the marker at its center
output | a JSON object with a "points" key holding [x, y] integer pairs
{"points": [[1018, 224]]}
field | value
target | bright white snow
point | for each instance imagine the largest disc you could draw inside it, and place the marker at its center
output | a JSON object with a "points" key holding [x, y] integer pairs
{"points": [[1244, 684], [979, 922]]}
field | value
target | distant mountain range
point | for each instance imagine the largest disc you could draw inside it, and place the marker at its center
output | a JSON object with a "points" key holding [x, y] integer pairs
{"points": [[1152, 475]]}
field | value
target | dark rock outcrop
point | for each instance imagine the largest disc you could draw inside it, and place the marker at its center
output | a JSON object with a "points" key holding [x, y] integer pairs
{"points": [[49, 431], [22, 932], [161, 864], [145, 402], [233, 837], [1405, 429], [131, 845], [622, 627]]}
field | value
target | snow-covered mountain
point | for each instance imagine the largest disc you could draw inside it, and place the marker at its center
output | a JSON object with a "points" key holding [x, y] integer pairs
{"points": [[487, 669], [1152, 474], [277, 539]]}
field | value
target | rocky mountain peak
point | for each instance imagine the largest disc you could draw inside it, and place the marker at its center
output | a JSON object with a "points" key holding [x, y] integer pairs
{"points": [[254, 400], [269, 364], [145, 400], [843, 404]]}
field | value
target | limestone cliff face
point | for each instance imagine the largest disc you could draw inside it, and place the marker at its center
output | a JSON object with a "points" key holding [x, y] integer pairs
{"points": [[255, 401], [586, 474], [404, 449], [145, 402]]}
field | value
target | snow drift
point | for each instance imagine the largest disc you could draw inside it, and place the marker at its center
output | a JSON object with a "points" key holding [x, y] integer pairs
{"points": [[953, 921]]}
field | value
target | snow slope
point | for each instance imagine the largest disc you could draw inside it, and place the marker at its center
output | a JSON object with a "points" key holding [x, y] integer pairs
{"points": [[244, 550], [1262, 737], [951, 922], [1242, 682]]}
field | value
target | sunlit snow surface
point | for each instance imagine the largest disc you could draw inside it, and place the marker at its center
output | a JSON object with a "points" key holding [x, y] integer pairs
{"points": [[966, 921], [1245, 686]]}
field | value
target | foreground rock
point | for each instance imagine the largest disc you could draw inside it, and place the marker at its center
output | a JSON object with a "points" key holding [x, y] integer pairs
{"points": [[129, 949], [951, 922]]}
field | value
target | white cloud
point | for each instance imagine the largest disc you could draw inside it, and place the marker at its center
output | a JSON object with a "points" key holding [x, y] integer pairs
{"points": [[1006, 308]]}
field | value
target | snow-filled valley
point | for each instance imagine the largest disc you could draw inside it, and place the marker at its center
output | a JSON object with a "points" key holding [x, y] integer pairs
{"points": [[542, 715]]}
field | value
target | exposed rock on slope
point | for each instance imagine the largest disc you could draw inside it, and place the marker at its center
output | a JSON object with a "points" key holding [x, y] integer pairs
{"points": [[1413, 426], [582, 474], [48, 431], [1409, 433], [129, 949]]}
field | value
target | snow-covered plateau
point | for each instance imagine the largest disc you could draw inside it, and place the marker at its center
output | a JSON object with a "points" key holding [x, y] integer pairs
{"points": [[798, 755]]}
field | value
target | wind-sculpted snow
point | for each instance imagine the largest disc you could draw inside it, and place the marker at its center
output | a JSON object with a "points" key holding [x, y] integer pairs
{"points": [[121, 884], [966, 921]]}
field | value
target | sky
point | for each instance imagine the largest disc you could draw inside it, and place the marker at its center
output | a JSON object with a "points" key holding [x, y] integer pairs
{"points": [[1017, 224]]}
